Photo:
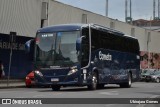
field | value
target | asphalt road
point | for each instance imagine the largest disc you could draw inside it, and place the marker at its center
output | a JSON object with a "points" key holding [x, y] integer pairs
{"points": [[138, 90]]}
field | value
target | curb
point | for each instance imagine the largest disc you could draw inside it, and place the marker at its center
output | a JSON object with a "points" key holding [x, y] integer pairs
{"points": [[14, 83], [11, 80], [7, 87]]}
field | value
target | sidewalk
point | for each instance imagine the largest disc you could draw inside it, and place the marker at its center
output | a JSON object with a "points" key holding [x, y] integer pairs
{"points": [[12, 83]]}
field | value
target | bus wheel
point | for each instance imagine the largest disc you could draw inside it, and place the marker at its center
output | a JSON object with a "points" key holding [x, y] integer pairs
{"points": [[128, 84], [100, 86], [157, 80], [93, 85], [55, 87]]}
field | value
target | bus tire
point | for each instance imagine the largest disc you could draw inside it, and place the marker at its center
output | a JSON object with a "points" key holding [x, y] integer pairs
{"points": [[93, 85], [55, 87], [128, 84], [100, 86], [28, 86]]}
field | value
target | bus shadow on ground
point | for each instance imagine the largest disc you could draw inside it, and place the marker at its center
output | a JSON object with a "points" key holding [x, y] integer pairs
{"points": [[152, 93], [79, 89]]}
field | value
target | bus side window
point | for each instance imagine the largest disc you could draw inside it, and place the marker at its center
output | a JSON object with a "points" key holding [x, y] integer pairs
{"points": [[95, 40], [106, 40], [85, 48]]}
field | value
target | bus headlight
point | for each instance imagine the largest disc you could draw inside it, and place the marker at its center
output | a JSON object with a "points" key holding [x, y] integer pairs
{"points": [[72, 71], [39, 73]]}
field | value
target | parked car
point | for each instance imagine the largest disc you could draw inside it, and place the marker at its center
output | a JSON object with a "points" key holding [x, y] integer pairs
{"points": [[153, 77], [145, 73], [29, 81]]}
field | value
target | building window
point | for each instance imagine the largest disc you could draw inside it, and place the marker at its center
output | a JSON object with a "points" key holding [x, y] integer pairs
{"points": [[84, 18], [44, 13]]}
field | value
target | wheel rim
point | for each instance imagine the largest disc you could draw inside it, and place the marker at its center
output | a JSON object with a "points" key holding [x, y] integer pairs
{"points": [[157, 80], [94, 81], [129, 81]]}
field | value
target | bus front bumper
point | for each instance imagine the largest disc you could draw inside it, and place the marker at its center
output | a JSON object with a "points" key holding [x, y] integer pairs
{"points": [[61, 81]]}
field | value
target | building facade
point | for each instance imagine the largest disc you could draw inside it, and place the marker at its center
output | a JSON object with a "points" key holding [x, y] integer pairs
{"points": [[25, 17], [148, 24]]}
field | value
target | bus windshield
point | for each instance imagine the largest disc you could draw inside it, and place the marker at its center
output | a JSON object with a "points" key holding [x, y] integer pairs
{"points": [[56, 49]]}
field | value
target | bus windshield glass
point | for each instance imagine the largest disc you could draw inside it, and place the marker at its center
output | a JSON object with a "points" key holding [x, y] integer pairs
{"points": [[56, 49]]}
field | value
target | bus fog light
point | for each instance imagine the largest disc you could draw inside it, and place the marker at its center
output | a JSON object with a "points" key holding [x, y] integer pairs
{"points": [[39, 73], [72, 71]]}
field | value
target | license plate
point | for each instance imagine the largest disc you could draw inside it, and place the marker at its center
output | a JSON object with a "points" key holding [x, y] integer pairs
{"points": [[54, 79]]}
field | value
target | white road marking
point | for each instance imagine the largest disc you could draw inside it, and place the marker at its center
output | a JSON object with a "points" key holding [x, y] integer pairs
{"points": [[110, 93], [109, 105], [38, 96]]}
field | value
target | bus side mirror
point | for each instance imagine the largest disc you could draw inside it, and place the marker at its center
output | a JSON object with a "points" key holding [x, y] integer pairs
{"points": [[29, 48], [79, 43]]}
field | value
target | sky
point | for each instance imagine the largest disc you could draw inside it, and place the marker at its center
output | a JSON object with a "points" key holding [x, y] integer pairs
{"points": [[141, 9]]}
